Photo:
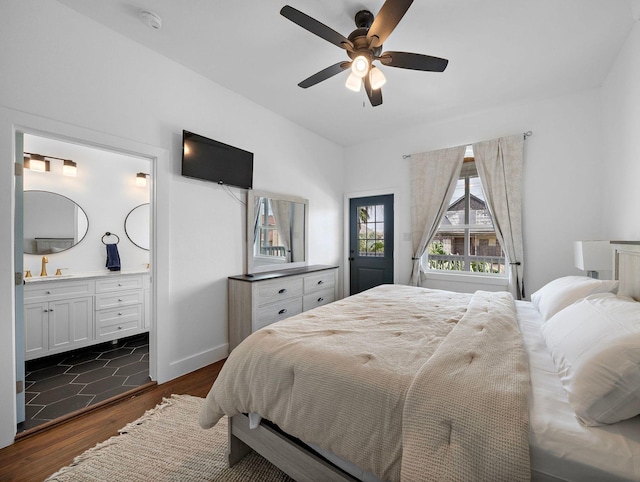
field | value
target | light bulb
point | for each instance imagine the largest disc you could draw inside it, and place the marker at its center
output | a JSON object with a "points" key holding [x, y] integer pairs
{"points": [[37, 163], [353, 82], [360, 66], [377, 78], [141, 179], [69, 168]]}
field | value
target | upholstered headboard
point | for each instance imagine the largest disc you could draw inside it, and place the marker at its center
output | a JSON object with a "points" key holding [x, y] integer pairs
{"points": [[626, 267]]}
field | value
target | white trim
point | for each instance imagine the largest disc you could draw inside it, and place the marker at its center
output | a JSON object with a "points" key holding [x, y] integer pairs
{"points": [[395, 191], [12, 121]]}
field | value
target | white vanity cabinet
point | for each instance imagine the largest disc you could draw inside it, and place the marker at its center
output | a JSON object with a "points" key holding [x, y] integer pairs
{"points": [[259, 300], [65, 314], [119, 307], [58, 317]]}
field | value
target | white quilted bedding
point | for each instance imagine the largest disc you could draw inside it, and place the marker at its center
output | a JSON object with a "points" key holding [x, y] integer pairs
{"points": [[407, 383]]}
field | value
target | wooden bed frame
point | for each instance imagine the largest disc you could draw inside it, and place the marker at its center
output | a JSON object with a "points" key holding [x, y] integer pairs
{"points": [[304, 465]]}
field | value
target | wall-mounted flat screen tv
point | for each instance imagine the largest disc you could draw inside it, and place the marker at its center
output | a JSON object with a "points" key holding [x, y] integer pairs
{"points": [[210, 160]]}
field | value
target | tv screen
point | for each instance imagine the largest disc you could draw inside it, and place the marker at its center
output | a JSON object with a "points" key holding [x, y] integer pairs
{"points": [[204, 158]]}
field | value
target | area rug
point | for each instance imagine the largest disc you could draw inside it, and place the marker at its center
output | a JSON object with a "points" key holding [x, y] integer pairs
{"points": [[167, 444]]}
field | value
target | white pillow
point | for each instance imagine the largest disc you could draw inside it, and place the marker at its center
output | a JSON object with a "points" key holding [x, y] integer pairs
{"points": [[595, 345], [562, 292]]}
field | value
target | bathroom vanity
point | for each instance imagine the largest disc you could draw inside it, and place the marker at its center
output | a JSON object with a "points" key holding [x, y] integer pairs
{"points": [[73, 311]]}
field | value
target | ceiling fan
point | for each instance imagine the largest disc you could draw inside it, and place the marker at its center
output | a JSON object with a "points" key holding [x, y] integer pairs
{"points": [[364, 46]]}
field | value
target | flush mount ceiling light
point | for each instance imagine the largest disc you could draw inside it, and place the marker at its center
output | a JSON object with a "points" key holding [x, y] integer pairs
{"points": [[141, 179], [152, 20], [364, 46], [69, 168]]}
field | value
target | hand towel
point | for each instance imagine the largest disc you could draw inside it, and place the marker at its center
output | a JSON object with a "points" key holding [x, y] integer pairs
{"points": [[113, 258]]}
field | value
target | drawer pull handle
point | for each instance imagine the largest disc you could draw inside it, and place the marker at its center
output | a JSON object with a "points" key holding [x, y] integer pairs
{"points": [[282, 291], [46, 311], [48, 292], [320, 282], [119, 328], [119, 314], [320, 300], [282, 311], [119, 299], [119, 284]]}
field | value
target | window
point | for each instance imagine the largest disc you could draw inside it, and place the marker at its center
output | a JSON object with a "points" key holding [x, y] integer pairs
{"points": [[267, 232], [466, 239]]}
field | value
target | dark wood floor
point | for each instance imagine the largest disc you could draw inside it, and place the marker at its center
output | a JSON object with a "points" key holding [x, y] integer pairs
{"points": [[35, 456]]}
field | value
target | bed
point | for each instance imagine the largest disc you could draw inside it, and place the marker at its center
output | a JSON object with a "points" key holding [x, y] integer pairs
{"points": [[477, 398]]}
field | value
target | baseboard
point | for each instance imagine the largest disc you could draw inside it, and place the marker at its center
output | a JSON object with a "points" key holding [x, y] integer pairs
{"points": [[194, 362]]}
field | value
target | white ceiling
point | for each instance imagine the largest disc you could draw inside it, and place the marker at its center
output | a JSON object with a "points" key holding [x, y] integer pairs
{"points": [[499, 51]]}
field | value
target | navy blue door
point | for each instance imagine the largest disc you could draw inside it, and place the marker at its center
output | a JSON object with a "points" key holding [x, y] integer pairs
{"points": [[370, 242]]}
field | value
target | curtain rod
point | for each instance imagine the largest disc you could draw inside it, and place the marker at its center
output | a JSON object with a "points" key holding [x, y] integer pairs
{"points": [[524, 136]]}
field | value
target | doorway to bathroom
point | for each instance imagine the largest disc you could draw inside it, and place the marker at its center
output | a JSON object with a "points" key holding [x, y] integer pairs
{"points": [[84, 312]]}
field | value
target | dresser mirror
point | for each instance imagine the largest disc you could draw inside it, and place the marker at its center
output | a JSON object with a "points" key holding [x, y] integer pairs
{"points": [[277, 227], [136, 226], [52, 223]]}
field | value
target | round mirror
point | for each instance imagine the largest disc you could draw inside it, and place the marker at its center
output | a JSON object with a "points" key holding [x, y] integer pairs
{"points": [[136, 225], [52, 223]]}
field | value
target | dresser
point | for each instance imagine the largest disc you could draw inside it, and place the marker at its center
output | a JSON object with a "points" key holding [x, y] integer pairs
{"points": [[264, 298], [62, 314]]}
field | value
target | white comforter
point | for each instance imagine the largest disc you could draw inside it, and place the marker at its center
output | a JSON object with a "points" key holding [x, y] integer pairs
{"points": [[408, 383]]}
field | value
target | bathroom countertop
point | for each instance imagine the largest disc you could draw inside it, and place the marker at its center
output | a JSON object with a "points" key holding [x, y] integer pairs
{"points": [[85, 275]]}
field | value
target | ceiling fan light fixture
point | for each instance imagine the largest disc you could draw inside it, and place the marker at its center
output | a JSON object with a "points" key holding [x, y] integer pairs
{"points": [[377, 78], [354, 82], [360, 66]]}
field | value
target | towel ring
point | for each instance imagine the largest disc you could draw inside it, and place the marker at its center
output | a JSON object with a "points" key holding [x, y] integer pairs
{"points": [[110, 234]]}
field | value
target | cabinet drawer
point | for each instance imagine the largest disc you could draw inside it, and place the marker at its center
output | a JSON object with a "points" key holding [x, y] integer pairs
{"points": [[118, 284], [126, 298], [276, 312], [118, 316], [275, 290], [56, 290], [320, 281], [319, 298], [118, 331]]}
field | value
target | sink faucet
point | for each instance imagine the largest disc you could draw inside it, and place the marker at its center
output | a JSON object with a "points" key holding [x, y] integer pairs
{"points": [[45, 260]]}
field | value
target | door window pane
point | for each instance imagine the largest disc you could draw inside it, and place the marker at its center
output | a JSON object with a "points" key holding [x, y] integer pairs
{"points": [[371, 230]]}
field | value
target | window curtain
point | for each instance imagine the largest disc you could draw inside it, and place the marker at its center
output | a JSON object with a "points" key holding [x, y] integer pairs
{"points": [[500, 163], [282, 214], [433, 179]]}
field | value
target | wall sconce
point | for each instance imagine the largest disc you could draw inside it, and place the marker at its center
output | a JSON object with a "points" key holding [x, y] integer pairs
{"points": [[37, 163], [593, 256], [69, 168], [141, 179]]}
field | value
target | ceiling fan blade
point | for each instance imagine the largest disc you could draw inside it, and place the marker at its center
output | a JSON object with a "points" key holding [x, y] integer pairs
{"points": [[324, 74], [387, 19], [315, 27], [375, 96], [407, 60]]}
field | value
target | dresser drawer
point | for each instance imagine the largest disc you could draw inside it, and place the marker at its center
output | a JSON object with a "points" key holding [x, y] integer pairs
{"points": [[320, 281], [319, 298], [51, 291], [120, 283], [273, 291], [277, 311], [126, 298]]}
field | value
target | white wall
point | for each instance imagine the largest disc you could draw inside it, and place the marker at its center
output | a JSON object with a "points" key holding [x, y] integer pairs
{"points": [[74, 75], [621, 100], [562, 186], [106, 191]]}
